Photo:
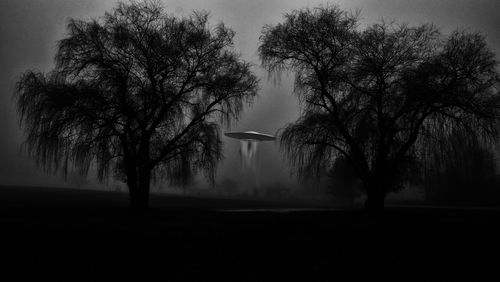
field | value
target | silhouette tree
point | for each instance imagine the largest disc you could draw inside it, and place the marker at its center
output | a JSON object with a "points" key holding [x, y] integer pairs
{"points": [[343, 181], [378, 95], [137, 93]]}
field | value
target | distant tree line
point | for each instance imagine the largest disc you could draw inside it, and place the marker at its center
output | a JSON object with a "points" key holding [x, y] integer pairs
{"points": [[462, 172]]}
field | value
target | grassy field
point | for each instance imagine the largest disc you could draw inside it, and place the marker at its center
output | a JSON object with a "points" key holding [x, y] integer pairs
{"points": [[76, 235]]}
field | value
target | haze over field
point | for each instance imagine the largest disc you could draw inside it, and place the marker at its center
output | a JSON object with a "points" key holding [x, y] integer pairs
{"points": [[397, 140], [29, 30]]}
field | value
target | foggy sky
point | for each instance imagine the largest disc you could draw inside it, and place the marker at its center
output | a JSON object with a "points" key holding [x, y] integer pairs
{"points": [[29, 30]]}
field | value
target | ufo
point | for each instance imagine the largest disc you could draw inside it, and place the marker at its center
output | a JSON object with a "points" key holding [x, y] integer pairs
{"points": [[250, 136]]}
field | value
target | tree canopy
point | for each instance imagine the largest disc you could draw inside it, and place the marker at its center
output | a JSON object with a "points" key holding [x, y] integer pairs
{"points": [[379, 96], [139, 94]]}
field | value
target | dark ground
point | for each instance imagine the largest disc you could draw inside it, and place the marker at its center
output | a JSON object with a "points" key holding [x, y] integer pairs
{"points": [[63, 235]]}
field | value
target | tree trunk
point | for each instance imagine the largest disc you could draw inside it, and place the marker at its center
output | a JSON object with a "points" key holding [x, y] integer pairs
{"points": [[375, 199], [139, 198], [138, 184]]}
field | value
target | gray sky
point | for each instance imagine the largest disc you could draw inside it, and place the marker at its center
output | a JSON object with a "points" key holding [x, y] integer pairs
{"points": [[29, 30]]}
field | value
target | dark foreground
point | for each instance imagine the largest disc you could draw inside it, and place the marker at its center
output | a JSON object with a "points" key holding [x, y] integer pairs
{"points": [[54, 237]]}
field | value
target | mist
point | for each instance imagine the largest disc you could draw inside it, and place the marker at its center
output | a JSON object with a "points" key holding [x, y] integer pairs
{"points": [[115, 164], [30, 31]]}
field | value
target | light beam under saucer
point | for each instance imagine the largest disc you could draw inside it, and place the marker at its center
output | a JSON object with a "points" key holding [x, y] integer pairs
{"points": [[249, 142]]}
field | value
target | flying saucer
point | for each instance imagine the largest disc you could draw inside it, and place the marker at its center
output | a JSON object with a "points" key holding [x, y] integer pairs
{"points": [[250, 135]]}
